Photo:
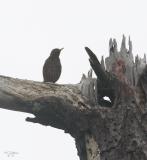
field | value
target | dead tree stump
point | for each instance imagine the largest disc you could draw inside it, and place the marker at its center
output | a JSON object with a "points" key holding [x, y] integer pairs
{"points": [[114, 129]]}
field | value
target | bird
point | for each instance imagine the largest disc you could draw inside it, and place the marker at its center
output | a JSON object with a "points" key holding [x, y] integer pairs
{"points": [[52, 66]]}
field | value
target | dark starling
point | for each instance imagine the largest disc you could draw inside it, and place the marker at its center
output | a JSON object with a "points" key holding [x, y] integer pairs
{"points": [[52, 67]]}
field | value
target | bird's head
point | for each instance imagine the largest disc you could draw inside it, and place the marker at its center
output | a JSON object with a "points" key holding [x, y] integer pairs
{"points": [[56, 52]]}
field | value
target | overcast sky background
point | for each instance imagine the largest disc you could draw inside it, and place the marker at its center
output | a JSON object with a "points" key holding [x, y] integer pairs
{"points": [[29, 30]]}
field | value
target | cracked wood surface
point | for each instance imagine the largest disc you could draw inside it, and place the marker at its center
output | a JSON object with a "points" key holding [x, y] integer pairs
{"points": [[52, 104], [26, 91], [102, 130]]}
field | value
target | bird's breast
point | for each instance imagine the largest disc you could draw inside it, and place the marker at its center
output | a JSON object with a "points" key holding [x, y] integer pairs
{"points": [[52, 70]]}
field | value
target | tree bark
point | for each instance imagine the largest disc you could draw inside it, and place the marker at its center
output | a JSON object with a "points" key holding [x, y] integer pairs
{"points": [[52, 104], [114, 129]]}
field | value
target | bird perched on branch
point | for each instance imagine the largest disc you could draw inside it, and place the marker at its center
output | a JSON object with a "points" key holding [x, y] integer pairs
{"points": [[52, 66]]}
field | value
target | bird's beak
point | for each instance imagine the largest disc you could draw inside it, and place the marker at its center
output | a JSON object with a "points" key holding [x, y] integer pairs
{"points": [[61, 49]]}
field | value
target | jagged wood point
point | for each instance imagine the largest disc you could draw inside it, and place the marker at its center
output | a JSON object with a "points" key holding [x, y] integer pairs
{"points": [[114, 129]]}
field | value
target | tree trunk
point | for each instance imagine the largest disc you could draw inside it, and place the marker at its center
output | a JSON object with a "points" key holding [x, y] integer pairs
{"points": [[114, 129]]}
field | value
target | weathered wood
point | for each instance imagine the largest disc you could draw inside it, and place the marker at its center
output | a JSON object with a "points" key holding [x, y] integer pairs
{"points": [[103, 130], [121, 133], [52, 104], [107, 84], [133, 69], [86, 145]]}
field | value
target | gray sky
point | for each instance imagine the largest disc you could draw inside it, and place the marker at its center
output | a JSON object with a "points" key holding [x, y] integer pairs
{"points": [[30, 29]]}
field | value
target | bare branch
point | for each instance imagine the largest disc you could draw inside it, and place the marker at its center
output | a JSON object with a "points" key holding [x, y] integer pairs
{"points": [[52, 104]]}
